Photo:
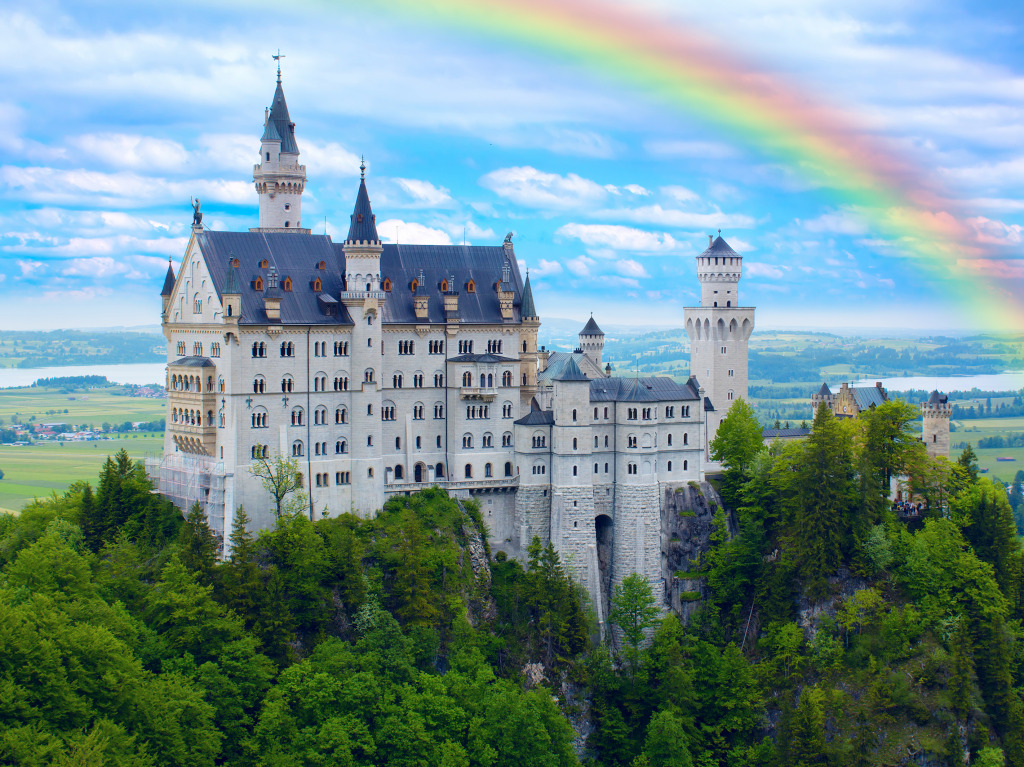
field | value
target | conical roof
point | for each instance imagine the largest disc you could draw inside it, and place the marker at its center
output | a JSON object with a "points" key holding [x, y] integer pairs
{"points": [[591, 328], [279, 125], [572, 372], [824, 391], [528, 309], [363, 226], [720, 248], [936, 398], [168, 281]]}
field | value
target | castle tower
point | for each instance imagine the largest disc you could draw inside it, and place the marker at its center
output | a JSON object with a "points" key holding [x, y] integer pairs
{"points": [[168, 289], [935, 415], [719, 330], [364, 299], [529, 354], [278, 177], [592, 342]]}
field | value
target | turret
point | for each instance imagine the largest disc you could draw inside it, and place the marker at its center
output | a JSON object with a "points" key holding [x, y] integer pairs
{"points": [[530, 358], [279, 177], [935, 415], [719, 269], [168, 289], [592, 341], [362, 245]]}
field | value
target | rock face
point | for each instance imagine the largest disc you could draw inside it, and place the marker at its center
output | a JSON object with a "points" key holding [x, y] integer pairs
{"points": [[686, 515]]}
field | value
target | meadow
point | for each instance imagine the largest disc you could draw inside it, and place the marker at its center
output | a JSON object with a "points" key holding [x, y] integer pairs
{"points": [[93, 407], [36, 471]]}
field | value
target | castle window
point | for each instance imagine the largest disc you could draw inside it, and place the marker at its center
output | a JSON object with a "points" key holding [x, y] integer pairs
{"points": [[670, 440], [268, 156], [417, 381], [322, 266], [342, 478], [506, 439], [197, 306], [387, 284], [287, 284], [438, 380], [341, 348], [670, 465], [320, 416], [684, 465], [574, 418], [259, 349], [317, 285], [341, 415], [341, 446], [264, 264], [399, 471], [387, 413], [730, 374], [471, 287], [575, 472], [508, 468], [287, 384], [724, 349], [341, 383], [417, 412], [396, 381], [259, 385], [685, 439], [506, 378], [369, 472], [368, 375], [415, 284], [406, 347], [287, 206], [436, 347], [469, 471], [730, 395], [287, 349], [297, 416], [438, 412], [359, 218], [467, 379], [488, 440], [506, 410], [573, 443], [488, 471], [606, 468], [286, 224], [214, 349], [297, 451], [444, 286], [631, 441], [419, 442], [934, 436]]}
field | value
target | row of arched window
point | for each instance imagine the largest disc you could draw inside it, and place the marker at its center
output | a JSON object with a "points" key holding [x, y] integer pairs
{"points": [[188, 417], [181, 382], [487, 379]]}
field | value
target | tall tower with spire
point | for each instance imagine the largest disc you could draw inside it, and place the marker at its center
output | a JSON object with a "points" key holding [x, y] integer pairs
{"points": [[279, 177], [719, 330]]}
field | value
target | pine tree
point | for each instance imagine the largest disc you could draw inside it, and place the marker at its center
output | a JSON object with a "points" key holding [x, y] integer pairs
{"points": [[634, 610], [198, 545], [90, 519], [825, 500]]}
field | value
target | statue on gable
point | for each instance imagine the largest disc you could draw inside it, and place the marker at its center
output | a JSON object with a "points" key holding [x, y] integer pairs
{"points": [[197, 214]]}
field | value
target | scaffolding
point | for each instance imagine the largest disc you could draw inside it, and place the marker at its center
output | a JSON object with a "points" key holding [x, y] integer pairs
{"points": [[187, 478]]}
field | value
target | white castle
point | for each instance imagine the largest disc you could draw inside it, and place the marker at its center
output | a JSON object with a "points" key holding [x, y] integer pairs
{"points": [[383, 369]]}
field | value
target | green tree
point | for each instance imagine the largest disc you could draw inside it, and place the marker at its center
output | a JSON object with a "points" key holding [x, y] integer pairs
{"points": [[198, 547], [281, 477], [968, 461], [738, 440], [666, 744], [825, 497], [634, 610], [889, 446]]}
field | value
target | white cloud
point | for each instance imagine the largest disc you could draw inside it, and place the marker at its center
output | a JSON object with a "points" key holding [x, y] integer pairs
{"points": [[230, 151], [545, 268], [771, 271], [681, 219], [629, 268], [396, 230], [637, 190], [992, 232], [617, 281], [537, 189], [839, 222], [580, 266], [679, 193], [98, 267], [121, 150], [423, 193], [29, 268], [330, 159], [619, 237]]}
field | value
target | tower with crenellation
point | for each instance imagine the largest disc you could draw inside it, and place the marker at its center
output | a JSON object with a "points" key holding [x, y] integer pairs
{"points": [[935, 415]]}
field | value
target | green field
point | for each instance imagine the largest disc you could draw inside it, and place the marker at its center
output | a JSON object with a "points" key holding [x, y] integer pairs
{"points": [[38, 470], [86, 406]]}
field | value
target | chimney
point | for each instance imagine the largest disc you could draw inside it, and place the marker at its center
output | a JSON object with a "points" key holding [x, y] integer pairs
{"points": [[710, 240]]}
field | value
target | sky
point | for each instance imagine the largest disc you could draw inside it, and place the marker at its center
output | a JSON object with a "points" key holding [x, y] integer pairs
{"points": [[113, 115]]}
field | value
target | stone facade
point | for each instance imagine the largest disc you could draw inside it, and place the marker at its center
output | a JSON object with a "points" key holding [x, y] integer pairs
{"points": [[935, 415]]}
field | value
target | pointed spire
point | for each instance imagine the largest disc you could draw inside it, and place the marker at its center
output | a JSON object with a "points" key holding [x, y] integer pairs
{"points": [[571, 372], [279, 125], [591, 328], [528, 309], [363, 226], [168, 280], [362, 167]]}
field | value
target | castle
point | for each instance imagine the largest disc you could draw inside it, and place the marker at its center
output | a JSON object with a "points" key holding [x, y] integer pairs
{"points": [[384, 368]]}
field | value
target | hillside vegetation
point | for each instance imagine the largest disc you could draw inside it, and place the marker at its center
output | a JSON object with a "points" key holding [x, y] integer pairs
{"points": [[836, 633]]}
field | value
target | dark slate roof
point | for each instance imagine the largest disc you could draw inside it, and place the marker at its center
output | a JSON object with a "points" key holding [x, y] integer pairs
{"points": [[571, 372], [482, 358], [480, 263], [708, 407], [591, 328], [528, 309], [867, 396], [193, 362], [168, 282], [279, 123], [232, 286], [363, 225], [655, 389], [783, 433], [936, 398], [293, 255], [824, 391], [719, 248], [537, 418]]}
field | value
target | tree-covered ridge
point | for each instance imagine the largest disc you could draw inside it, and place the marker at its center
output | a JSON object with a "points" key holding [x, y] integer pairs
{"points": [[837, 631]]}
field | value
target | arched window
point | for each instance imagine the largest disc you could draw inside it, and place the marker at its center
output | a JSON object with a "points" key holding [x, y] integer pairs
{"points": [[471, 287], [467, 379], [506, 378], [670, 440], [573, 443], [670, 465], [399, 471], [297, 415], [387, 286], [575, 470], [297, 451], [488, 471], [258, 283], [317, 285], [287, 384], [469, 471], [574, 414], [508, 468], [259, 385], [439, 471], [286, 285], [685, 438]]}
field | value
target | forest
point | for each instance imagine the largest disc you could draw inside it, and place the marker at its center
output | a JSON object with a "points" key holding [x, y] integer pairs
{"points": [[833, 628]]}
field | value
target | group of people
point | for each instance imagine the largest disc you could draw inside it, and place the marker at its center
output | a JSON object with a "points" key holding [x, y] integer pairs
{"points": [[906, 508]]}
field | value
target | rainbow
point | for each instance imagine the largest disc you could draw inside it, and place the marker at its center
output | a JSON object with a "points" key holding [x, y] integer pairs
{"points": [[689, 72]]}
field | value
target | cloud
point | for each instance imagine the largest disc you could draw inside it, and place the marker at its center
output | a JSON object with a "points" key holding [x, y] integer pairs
{"points": [[637, 190], [423, 193], [698, 150], [537, 189], [1000, 269], [545, 268], [755, 269], [629, 268], [839, 222], [619, 237], [99, 267], [29, 268], [617, 281], [992, 232], [396, 230], [580, 266], [121, 150], [679, 193], [656, 214], [329, 159]]}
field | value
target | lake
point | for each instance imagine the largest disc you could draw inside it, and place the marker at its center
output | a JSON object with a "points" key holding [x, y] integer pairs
{"points": [[1010, 381], [142, 373]]}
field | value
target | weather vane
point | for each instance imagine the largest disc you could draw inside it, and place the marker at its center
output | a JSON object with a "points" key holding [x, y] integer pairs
{"points": [[277, 57]]}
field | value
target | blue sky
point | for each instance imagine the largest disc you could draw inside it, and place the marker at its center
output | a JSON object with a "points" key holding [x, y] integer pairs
{"points": [[113, 114]]}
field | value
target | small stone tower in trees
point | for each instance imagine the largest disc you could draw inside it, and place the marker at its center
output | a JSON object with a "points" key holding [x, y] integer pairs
{"points": [[935, 415]]}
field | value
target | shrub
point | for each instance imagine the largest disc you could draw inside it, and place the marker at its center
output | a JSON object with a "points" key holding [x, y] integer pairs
{"points": [[689, 596]]}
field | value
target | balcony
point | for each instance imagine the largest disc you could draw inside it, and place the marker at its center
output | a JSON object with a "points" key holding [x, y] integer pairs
{"points": [[482, 393], [362, 295], [472, 485]]}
